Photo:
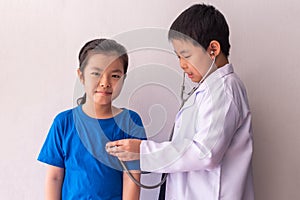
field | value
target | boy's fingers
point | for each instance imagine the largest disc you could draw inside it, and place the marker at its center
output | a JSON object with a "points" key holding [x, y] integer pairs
{"points": [[121, 154], [113, 149], [113, 144], [110, 144]]}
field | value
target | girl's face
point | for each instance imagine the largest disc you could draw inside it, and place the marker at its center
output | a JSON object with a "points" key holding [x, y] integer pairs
{"points": [[193, 59], [102, 78]]}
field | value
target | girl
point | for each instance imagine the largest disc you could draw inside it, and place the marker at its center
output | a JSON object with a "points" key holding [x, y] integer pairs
{"points": [[78, 165]]}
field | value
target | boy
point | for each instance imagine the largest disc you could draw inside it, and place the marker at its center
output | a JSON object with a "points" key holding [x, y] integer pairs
{"points": [[209, 156]]}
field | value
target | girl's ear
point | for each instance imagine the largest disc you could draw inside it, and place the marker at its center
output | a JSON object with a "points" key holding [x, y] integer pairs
{"points": [[80, 75], [214, 48]]}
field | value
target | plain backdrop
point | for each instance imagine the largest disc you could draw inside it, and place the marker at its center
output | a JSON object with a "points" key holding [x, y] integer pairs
{"points": [[39, 44]]}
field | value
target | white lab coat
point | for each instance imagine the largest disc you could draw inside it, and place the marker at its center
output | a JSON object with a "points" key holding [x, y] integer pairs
{"points": [[209, 157]]}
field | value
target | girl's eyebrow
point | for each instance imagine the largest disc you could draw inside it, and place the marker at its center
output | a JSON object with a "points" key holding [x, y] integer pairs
{"points": [[101, 70], [117, 71], [97, 69]]}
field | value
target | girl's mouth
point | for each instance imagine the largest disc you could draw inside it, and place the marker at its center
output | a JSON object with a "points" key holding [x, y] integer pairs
{"points": [[104, 93]]}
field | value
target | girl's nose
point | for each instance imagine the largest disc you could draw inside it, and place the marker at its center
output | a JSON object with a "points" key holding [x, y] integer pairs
{"points": [[104, 83]]}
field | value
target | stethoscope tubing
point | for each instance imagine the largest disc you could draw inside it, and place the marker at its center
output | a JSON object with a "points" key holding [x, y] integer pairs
{"points": [[183, 100]]}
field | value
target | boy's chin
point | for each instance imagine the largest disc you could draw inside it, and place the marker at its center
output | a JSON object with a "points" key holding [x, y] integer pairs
{"points": [[195, 80]]}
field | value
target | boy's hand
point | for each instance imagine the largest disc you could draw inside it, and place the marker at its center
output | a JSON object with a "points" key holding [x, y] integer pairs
{"points": [[125, 150]]}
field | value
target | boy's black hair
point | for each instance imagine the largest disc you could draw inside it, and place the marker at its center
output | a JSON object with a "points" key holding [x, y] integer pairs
{"points": [[201, 23]]}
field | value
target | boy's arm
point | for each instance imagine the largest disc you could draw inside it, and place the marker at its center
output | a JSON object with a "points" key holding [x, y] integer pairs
{"points": [[130, 190], [54, 180]]}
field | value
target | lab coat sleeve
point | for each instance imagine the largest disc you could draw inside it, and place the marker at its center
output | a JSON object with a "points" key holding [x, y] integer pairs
{"points": [[196, 147]]}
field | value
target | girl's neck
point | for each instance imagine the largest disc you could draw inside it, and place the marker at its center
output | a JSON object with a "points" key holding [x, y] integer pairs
{"points": [[100, 111]]}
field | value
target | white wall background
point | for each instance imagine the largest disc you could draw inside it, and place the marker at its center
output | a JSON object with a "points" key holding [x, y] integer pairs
{"points": [[39, 43]]}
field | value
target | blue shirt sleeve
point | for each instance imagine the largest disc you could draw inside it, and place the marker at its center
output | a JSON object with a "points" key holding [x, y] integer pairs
{"points": [[52, 151], [136, 131]]}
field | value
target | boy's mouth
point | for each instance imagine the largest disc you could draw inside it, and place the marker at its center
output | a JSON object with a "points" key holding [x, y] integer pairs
{"points": [[190, 75]]}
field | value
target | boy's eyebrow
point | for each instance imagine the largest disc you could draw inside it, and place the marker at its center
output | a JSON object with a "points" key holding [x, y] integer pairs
{"points": [[182, 52]]}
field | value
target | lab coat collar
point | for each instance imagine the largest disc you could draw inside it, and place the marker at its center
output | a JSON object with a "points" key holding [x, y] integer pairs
{"points": [[226, 69], [219, 73]]}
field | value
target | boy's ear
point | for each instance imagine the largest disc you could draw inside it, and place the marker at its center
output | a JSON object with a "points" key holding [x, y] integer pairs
{"points": [[80, 75], [214, 48]]}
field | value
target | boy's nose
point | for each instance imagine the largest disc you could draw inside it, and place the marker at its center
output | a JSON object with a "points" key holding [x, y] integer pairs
{"points": [[183, 63]]}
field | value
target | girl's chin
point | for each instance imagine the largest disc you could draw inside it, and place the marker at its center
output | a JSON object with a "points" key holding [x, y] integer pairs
{"points": [[99, 101], [102, 102]]}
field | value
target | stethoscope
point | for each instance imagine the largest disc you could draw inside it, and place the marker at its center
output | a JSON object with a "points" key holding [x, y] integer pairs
{"points": [[183, 100]]}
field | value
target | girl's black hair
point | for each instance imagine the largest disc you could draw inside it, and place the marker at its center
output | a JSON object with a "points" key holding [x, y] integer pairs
{"points": [[201, 24], [104, 46]]}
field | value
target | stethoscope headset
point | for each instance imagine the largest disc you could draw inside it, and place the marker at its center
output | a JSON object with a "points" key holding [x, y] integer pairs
{"points": [[183, 100]]}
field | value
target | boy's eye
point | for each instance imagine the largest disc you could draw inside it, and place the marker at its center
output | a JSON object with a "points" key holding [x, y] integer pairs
{"points": [[184, 57]]}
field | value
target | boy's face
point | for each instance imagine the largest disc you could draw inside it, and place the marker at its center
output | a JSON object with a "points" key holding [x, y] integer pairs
{"points": [[194, 60], [102, 78]]}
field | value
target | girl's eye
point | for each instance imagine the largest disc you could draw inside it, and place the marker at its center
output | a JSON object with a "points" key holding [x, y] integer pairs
{"points": [[116, 76], [95, 73], [186, 57]]}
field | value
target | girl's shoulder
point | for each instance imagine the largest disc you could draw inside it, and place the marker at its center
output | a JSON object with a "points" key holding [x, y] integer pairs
{"points": [[130, 113], [65, 115]]}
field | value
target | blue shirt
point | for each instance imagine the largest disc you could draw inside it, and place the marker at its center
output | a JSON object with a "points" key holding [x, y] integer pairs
{"points": [[76, 142]]}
